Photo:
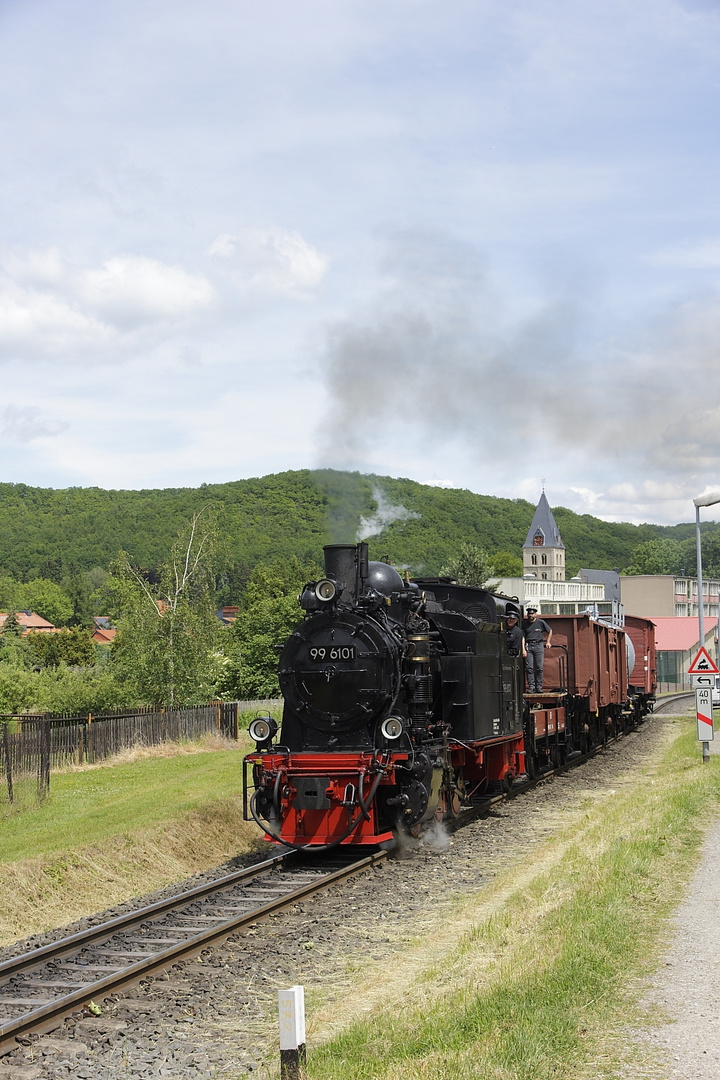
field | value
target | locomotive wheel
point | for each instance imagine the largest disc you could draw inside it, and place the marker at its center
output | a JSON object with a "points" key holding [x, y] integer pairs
{"points": [[451, 798]]}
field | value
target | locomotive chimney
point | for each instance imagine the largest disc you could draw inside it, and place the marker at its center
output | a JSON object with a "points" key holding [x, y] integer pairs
{"points": [[340, 566]]}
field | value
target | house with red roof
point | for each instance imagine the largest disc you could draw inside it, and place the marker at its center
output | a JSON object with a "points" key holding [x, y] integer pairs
{"points": [[103, 633], [28, 620]]}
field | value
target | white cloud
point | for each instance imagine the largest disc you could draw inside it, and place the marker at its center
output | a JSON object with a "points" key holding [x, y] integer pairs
{"points": [[35, 324], [439, 483], [50, 308], [271, 261], [561, 142], [25, 423], [131, 290]]}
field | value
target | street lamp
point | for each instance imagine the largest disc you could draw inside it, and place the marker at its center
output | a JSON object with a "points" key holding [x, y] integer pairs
{"points": [[703, 500]]}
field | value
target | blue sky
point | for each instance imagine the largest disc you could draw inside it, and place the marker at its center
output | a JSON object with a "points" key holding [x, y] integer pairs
{"points": [[476, 244]]}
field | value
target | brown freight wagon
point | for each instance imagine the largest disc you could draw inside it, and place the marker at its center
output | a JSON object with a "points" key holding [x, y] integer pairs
{"points": [[588, 661], [643, 677]]}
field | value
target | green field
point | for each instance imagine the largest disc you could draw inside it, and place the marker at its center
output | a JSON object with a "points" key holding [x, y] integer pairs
{"points": [[106, 802], [113, 831]]}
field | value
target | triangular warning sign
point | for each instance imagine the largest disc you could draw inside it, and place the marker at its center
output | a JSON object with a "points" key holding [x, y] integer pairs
{"points": [[702, 664]]}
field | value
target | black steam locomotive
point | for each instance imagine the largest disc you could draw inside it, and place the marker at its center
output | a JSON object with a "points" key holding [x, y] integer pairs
{"points": [[403, 703]]}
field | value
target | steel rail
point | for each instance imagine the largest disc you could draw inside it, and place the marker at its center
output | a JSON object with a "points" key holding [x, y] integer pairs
{"points": [[665, 704], [49, 1013], [94, 935]]}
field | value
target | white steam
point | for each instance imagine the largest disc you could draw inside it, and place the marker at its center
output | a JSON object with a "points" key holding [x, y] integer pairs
{"points": [[385, 515]]}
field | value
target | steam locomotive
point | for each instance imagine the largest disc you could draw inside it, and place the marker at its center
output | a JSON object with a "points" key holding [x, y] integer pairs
{"points": [[404, 704]]}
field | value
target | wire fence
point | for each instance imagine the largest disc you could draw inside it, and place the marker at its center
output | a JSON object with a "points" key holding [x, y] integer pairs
{"points": [[32, 746]]}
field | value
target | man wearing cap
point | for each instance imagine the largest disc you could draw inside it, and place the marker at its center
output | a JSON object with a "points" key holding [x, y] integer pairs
{"points": [[514, 636], [534, 630]]}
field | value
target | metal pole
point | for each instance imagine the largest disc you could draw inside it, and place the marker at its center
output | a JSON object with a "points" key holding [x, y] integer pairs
{"points": [[701, 617], [701, 613]]}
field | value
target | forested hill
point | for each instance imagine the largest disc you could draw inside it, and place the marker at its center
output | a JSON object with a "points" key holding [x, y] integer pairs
{"points": [[46, 533]]}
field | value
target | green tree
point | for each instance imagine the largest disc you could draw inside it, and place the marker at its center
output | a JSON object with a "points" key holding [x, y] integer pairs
{"points": [[13, 647], [166, 647], [73, 647], [12, 628], [657, 557], [9, 593], [46, 598], [505, 564], [471, 566], [268, 615], [18, 688]]}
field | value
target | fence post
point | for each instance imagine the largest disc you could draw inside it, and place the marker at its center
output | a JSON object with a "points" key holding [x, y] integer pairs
{"points": [[291, 1007], [45, 755], [8, 761]]}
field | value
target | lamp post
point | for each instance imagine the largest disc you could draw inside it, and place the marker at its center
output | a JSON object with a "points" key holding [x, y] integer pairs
{"points": [[703, 500]]}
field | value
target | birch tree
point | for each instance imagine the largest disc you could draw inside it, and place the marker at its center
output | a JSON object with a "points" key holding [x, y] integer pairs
{"points": [[167, 639]]}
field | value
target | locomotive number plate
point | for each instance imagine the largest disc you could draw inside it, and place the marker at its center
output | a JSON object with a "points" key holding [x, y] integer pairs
{"points": [[325, 653]]}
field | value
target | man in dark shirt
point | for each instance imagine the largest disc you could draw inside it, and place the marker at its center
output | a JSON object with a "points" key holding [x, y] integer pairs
{"points": [[514, 636], [534, 630]]}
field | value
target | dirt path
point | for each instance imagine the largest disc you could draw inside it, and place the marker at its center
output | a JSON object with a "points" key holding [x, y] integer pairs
{"points": [[686, 989]]}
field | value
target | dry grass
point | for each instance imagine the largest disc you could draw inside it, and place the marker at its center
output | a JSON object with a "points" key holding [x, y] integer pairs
{"points": [[123, 827], [44, 892], [211, 741]]}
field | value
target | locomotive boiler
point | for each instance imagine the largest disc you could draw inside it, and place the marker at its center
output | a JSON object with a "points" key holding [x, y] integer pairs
{"points": [[403, 703]]}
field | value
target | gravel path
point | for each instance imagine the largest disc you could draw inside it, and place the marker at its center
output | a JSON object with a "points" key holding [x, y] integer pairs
{"points": [[216, 1017], [687, 988]]}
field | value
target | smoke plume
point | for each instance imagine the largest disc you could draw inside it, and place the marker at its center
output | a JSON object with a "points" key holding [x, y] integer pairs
{"points": [[385, 515]]}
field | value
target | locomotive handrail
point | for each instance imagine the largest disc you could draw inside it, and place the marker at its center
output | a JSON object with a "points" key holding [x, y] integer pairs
{"points": [[563, 689]]}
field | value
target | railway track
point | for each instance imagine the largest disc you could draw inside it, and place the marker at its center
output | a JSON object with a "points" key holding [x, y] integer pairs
{"points": [[39, 988], [670, 704]]}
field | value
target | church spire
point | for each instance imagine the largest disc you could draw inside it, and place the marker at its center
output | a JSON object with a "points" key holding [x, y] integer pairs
{"points": [[543, 550]]}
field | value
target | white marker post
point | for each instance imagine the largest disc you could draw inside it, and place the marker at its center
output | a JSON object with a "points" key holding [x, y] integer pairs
{"points": [[291, 1004], [705, 733]]}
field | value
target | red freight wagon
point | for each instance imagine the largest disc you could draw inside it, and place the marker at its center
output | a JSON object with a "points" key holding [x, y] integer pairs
{"points": [[588, 660], [643, 677]]}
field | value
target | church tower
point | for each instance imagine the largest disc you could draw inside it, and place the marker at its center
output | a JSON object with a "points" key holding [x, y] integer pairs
{"points": [[543, 550]]}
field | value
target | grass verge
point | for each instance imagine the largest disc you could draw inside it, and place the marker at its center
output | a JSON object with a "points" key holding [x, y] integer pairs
{"points": [[539, 975], [120, 829]]}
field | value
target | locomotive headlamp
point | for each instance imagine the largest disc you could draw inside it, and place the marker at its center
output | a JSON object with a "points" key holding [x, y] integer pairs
{"points": [[325, 590], [392, 727], [262, 729]]}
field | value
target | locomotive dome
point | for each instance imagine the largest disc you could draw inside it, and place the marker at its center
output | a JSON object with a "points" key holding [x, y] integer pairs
{"points": [[385, 579]]}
